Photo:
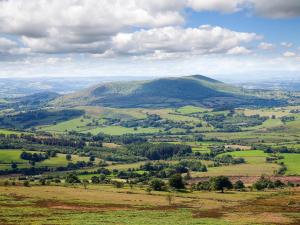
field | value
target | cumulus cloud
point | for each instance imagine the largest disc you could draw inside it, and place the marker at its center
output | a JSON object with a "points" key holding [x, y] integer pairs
{"points": [[289, 54], [266, 46], [238, 51], [201, 41], [82, 25], [216, 5]]}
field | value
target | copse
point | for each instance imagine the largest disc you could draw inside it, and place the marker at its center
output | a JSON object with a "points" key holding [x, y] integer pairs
{"points": [[160, 151], [33, 157]]}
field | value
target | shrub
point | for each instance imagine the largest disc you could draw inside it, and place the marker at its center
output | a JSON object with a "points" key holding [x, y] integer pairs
{"points": [[72, 179], [239, 185], [263, 183], [157, 184], [118, 184], [176, 181], [95, 180], [26, 183], [203, 186]]}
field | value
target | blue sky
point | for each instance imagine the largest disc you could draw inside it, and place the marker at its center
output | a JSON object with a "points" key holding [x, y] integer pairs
{"points": [[236, 39], [274, 30]]}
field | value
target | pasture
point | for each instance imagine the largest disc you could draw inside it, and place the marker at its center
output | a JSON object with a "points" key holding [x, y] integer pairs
{"points": [[7, 156]]}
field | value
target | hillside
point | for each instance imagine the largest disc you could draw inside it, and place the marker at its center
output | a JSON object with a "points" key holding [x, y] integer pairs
{"points": [[165, 92]]}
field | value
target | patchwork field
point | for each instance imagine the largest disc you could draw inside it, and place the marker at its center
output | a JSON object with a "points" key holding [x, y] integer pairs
{"points": [[7, 156]]}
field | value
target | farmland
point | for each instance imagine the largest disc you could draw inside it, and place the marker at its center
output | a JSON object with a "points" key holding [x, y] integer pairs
{"points": [[115, 166]]}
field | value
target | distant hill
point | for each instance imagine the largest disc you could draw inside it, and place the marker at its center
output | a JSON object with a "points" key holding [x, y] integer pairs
{"points": [[30, 102], [165, 92]]}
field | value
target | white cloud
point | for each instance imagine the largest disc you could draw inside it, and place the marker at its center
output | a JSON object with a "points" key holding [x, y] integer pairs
{"points": [[216, 5], [289, 54], [82, 25], [198, 41], [286, 44], [266, 46], [238, 51]]}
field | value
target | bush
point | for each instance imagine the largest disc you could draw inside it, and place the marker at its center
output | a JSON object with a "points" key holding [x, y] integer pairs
{"points": [[263, 183], [239, 185], [26, 183], [72, 179], [157, 184], [203, 186], [95, 180], [176, 181], [279, 184], [118, 184]]}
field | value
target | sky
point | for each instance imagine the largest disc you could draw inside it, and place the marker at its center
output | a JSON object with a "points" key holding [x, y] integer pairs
{"points": [[225, 39]]}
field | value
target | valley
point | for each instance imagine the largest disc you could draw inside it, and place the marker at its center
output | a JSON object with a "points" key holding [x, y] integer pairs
{"points": [[133, 154]]}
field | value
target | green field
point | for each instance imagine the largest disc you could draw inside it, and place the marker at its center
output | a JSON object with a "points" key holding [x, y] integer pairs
{"points": [[118, 130], [8, 156], [257, 157], [191, 110], [292, 161]]}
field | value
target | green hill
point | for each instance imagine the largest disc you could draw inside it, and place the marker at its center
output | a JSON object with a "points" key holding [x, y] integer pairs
{"points": [[165, 92]]}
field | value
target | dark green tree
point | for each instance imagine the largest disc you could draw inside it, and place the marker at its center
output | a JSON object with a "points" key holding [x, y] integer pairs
{"points": [[220, 183]]}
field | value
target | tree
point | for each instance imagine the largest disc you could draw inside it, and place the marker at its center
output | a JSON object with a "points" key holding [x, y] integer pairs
{"points": [[176, 181], [92, 158], [95, 180], [157, 184], [239, 185], [68, 157], [14, 165], [220, 183], [72, 179]]}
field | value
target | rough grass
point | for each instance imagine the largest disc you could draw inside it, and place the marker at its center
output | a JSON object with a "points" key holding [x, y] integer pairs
{"points": [[107, 205]]}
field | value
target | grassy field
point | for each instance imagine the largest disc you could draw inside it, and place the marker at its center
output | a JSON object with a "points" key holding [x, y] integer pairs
{"points": [[7, 132], [118, 130], [8, 156], [191, 109], [257, 158], [292, 161], [108, 205]]}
